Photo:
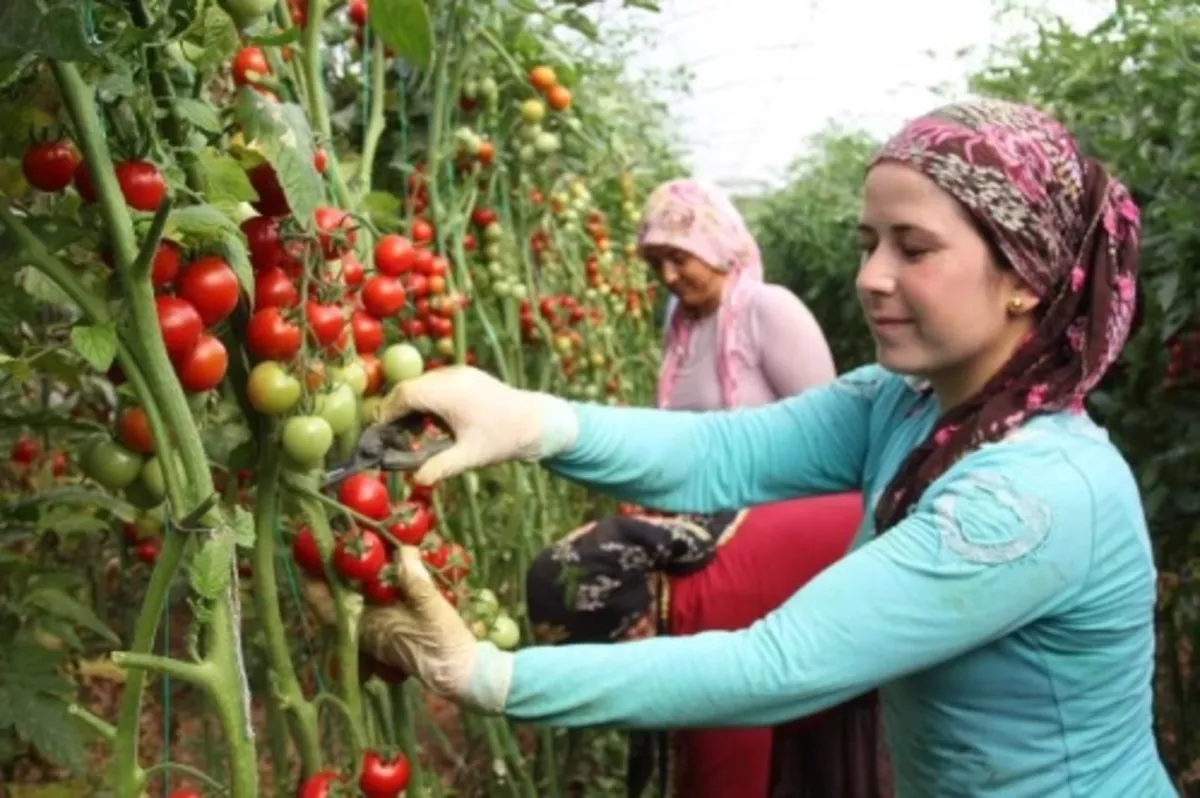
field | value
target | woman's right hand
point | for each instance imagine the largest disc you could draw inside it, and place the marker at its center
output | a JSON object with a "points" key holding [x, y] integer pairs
{"points": [[492, 422]]}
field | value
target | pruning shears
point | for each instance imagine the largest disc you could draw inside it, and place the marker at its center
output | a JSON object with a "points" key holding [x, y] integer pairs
{"points": [[393, 446]]}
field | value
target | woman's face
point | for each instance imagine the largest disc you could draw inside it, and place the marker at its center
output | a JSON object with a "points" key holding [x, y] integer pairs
{"points": [[697, 285], [938, 304]]}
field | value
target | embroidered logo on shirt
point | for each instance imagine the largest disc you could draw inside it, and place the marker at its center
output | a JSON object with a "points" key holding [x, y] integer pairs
{"points": [[983, 519]]}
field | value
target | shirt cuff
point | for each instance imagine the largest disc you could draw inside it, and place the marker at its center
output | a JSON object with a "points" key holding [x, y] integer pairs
{"points": [[491, 678], [558, 425]]}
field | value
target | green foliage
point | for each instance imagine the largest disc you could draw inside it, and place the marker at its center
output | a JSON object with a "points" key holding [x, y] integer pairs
{"points": [[807, 234]]}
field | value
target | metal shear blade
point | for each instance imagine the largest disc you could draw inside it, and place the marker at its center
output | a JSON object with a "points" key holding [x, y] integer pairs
{"points": [[390, 447]]}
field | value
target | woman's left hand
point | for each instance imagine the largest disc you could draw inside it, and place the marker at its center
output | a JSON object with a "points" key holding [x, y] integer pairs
{"points": [[425, 636]]}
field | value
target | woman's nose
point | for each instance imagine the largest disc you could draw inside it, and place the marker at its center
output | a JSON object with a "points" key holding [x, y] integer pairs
{"points": [[875, 275]]}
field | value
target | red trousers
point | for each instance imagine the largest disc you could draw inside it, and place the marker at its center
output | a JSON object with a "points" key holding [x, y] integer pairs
{"points": [[773, 552]]}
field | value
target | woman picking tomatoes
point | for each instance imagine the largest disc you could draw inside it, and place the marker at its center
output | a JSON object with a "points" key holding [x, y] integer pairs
{"points": [[1003, 598], [646, 575]]}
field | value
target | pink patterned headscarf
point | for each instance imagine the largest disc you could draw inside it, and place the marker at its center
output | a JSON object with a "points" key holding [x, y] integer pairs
{"points": [[698, 218], [1067, 227]]}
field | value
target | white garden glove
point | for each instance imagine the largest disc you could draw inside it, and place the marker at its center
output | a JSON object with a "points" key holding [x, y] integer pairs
{"points": [[425, 636], [492, 422]]}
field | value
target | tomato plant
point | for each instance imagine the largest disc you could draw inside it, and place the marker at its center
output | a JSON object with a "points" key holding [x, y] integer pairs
{"points": [[261, 219]]}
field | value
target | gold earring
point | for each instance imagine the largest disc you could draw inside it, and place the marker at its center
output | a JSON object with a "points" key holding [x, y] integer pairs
{"points": [[1016, 305]]}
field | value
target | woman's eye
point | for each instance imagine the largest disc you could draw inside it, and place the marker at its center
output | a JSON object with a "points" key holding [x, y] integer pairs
{"points": [[913, 253]]}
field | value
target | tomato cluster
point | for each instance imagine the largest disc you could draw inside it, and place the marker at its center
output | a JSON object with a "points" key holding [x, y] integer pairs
{"points": [[382, 775], [363, 556]]}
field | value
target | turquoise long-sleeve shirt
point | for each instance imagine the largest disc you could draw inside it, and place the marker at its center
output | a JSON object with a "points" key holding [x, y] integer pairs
{"points": [[1008, 620]]}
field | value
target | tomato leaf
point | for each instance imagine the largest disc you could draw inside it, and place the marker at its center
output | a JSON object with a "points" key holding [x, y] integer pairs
{"points": [[56, 602], [404, 27], [243, 528], [216, 41], [51, 28], [210, 568], [575, 19], [43, 289], [284, 138], [225, 179], [649, 5], [199, 113], [97, 344]]}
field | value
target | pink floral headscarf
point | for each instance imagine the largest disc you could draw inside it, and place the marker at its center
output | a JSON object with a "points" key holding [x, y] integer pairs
{"points": [[1067, 227], [699, 218]]}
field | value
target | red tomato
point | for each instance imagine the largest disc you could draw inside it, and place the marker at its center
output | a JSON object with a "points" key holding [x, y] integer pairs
{"points": [[365, 495], [319, 785], [58, 463], [166, 262], [335, 231], [413, 328], [306, 554], [83, 183], [185, 792], [414, 526], [325, 322], [381, 589], [142, 184], [368, 332], [383, 296], [50, 165], [356, 10], [133, 430], [422, 231], [482, 217], [262, 239], [269, 336], [179, 324], [439, 326], [352, 270], [486, 153], [274, 289], [382, 778], [320, 160], [25, 450], [394, 255], [436, 557], [358, 556], [211, 286], [458, 563], [271, 199], [438, 267], [468, 242], [247, 60], [147, 550], [203, 368], [417, 285]]}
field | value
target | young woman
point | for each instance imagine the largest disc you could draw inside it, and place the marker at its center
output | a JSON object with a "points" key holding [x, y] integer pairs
{"points": [[1003, 603], [630, 578]]}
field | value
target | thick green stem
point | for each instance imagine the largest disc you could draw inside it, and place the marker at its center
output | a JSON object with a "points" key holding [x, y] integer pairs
{"points": [[375, 122], [168, 396], [301, 716], [318, 107]]}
